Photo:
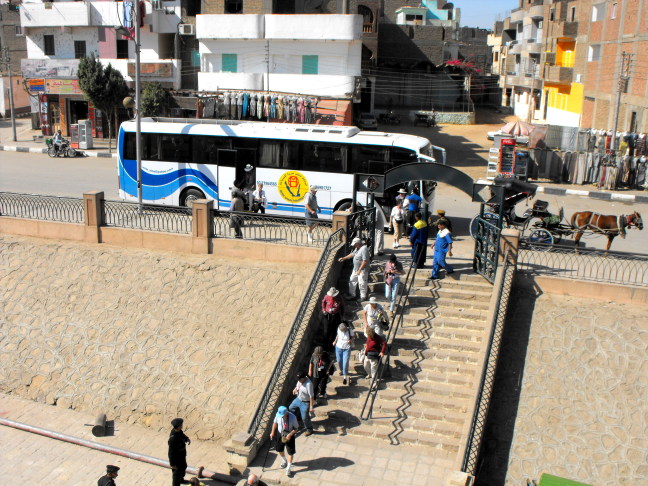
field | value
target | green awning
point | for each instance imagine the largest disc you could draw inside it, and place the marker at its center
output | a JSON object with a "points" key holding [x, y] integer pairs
{"points": [[549, 480]]}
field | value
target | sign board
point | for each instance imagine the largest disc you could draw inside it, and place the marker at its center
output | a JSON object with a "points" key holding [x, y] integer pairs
{"points": [[152, 69], [506, 166], [36, 85], [62, 86], [371, 183]]}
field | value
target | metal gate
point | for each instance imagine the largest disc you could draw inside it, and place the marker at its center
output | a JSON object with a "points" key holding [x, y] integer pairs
{"points": [[487, 243]]}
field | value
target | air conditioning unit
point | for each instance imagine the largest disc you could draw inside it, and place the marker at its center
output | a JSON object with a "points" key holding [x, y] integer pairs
{"points": [[186, 29], [157, 4]]}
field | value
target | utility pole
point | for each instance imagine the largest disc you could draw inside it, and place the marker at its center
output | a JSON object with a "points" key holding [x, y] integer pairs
{"points": [[138, 120], [6, 60], [532, 98], [624, 76]]}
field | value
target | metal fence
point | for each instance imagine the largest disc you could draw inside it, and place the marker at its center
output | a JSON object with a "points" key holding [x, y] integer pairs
{"points": [[487, 381], [267, 406], [362, 224], [287, 230], [47, 208], [168, 219], [584, 264], [487, 243]]}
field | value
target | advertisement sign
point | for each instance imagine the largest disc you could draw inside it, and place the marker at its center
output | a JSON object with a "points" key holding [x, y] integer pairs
{"points": [[62, 86], [36, 85], [152, 69]]}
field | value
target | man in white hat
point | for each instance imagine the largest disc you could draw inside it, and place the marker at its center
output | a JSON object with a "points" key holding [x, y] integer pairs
{"points": [[333, 310], [311, 208], [375, 317], [249, 184], [360, 273]]}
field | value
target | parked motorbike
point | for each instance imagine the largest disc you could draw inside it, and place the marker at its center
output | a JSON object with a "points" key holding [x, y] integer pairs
{"points": [[63, 149], [389, 118]]}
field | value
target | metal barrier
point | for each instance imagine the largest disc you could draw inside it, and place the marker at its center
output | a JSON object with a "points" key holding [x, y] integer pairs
{"points": [[287, 230], [362, 224], [268, 403], [584, 264], [169, 219], [487, 381], [383, 363], [47, 208], [487, 243]]}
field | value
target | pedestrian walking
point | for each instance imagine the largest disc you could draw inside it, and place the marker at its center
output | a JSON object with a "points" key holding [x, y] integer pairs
{"points": [[259, 199], [442, 247], [379, 232], [374, 317], [392, 274], [343, 343], [304, 400], [236, 205], [249, 182], [311, 208], [396, 221], [178, 452], [284, 429], [332, 310], [360, 273], [401, 195], [109, 478], [252, 480], [319, 370], [375, 348], [413, 205], [441, 216], [418, 240]]}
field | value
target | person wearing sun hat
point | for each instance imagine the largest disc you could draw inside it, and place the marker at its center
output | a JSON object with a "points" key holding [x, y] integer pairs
{"points": [[284, 428], [441, 217], [360, 273], [332, 311]]}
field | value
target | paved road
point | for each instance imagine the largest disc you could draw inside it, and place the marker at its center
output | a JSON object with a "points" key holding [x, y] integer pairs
{"points": [[39, 174]]}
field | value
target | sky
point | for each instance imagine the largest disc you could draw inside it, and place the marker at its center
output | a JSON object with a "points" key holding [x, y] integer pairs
{"points": [[484, 13]]}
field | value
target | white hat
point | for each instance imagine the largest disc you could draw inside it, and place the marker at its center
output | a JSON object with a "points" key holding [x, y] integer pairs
{"points": [[402, 191], [313, 188], [333, 292], [373, 300], [248, 168], [356, 240]]}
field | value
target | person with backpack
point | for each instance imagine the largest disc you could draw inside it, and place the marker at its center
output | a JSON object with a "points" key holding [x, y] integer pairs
{"points": [[375, 348], [343, 344], [392, 276], [319, 370], [374, 317]]}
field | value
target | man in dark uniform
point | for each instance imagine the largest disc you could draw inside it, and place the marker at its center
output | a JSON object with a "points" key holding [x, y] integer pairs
{"points": [[108, 479], [178, 452], [442, 218]]}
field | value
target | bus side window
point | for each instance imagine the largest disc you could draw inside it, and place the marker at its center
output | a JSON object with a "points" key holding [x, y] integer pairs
{"points": [[291, 155], [402, 156], [130, 149], [269, 154], [322, 157], [363, 157], [176, 148], [150, 145]]}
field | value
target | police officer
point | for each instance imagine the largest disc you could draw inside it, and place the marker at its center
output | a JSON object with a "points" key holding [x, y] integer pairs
{"points": [[108, 479], [178, 452], [441, 218]]}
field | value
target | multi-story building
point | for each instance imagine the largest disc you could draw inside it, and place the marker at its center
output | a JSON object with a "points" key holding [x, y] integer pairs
{"points": [[59, 34], [13, 47]]}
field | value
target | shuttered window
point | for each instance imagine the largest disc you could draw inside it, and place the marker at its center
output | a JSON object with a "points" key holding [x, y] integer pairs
{"points": [[309, 64], [230, 63]]}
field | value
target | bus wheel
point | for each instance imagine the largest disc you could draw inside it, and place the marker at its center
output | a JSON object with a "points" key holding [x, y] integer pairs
{"points": [[346, 206], [190, 196]]}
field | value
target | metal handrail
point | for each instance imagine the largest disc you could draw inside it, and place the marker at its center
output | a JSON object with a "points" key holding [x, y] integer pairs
{"points": [[168, 219], [47, 208], [362, 224], [289, 230], [267, 404], [487, 380], [584, 264], [396, 322]]}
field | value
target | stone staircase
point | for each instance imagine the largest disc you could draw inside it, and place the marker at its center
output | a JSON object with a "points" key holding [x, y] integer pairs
{"points": [[435, 362]]}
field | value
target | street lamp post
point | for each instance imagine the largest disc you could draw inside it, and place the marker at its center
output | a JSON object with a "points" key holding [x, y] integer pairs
{"points": [[138, 120]]}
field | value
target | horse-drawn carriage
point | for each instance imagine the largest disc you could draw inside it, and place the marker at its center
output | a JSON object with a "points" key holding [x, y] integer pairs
{"points": [[545, 228]]}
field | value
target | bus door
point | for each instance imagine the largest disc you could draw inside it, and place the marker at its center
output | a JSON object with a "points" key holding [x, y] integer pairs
{"points": [[226, 175], [246, 170]]}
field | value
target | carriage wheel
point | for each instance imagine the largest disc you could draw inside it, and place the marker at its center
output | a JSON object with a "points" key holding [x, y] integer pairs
{"points": [[541, 240], [491, 218]]}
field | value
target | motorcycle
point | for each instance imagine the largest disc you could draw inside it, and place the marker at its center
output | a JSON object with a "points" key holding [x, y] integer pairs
{"points": [[389, 118], [63, 149]]}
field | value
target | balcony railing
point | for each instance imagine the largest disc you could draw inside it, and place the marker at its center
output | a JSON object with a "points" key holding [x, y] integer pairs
{"points": [[369, 28]]}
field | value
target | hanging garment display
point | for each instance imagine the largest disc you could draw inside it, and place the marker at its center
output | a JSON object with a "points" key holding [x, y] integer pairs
{"points": [[289, 103], [307, 111], [259, 109], [226, 108], [246, 105], [210, 104], [280, 108], [293, 109], [301, 110], [266, 106], [253, 105], [273, 106]]}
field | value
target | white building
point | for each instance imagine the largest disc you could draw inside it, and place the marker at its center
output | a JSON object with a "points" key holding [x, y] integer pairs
{"points": [[59, 33], [317, 55]]}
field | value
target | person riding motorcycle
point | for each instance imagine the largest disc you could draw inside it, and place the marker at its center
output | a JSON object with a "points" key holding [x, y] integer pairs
{"points": [[58, 140]]}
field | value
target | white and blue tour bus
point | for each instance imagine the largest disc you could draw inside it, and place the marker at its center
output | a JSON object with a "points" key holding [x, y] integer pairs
{"points": [[184, 160]]}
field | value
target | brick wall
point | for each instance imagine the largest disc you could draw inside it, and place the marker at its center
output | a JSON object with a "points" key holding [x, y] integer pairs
{"points": [[17, 45]]}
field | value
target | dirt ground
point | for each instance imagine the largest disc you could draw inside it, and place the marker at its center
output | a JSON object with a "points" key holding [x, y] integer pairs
{"points": [[466, 145]]}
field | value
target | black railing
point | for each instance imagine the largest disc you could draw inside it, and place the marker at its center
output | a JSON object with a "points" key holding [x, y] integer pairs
{"points": [[267, 407], [487, 243], [168, 219], [362, 224], [383, 363], [287, 230], [47, 208], [482, 403], [584, 264]]}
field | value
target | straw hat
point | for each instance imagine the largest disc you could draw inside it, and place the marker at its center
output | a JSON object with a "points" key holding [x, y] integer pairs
{"points": [[333, 292]]}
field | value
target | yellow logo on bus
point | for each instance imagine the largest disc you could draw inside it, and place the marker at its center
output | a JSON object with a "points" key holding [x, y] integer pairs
{"points": [[292, 186]]}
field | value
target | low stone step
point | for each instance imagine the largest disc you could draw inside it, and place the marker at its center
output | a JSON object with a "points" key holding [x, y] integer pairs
{"points": [[458, 277], [452, 293], [444, 301], [430, 370], [436, 345], [418, 408], [446, 446], [441, 396], [422, 333], [451, 312]]}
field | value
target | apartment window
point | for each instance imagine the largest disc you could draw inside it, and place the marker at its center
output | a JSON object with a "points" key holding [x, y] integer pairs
{"points": [[79, 49], [309, 64], [552, 14], [230, 63], [122, 49], [594, 53], [613, 12], [598, 12], [233, 6], [572, 14], [48, 45], [495, 56], [19, 31]]}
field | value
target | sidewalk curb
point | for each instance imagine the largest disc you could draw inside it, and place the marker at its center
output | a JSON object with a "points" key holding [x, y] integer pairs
{"points": [[605, 196], [36, 150]]}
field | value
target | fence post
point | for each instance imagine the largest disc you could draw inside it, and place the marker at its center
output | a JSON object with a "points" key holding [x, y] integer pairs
{"points": [[93, 215], [509, 241], [201, 212], [341, 221]]}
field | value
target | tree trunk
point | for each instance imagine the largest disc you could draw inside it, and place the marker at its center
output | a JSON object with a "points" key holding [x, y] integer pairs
{"points": [[110, 128]]}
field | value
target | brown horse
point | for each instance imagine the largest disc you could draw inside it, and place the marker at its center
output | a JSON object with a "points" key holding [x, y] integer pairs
{"points": [[608, 225]]}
